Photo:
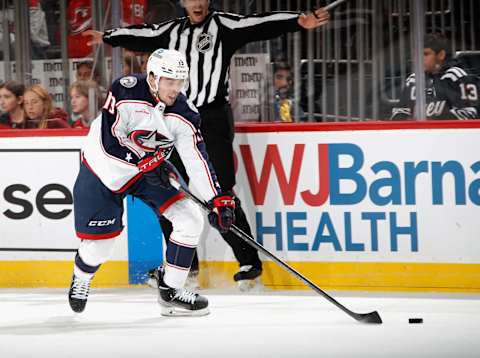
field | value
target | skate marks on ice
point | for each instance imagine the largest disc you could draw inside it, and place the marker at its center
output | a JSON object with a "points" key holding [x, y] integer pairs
{"points": [[240, 325], [46, 312]]}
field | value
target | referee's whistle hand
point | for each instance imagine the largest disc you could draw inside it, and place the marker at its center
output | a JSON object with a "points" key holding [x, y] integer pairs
{"points": [[315, 19], [97, 37]]}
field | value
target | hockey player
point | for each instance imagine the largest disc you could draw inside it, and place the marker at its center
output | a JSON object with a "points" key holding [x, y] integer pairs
{"points": [[208, 39], [126, 153], [451, 93]]}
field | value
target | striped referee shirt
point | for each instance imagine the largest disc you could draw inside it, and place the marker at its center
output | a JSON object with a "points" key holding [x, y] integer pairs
{"points": [[208, 46]]}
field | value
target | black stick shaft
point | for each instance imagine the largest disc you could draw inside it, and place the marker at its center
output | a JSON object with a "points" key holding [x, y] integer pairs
{"points": [[334, 4], [249, 240], [290, 269]]}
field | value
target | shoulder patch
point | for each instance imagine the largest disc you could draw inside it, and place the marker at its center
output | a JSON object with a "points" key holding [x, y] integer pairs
{"points": [[129, 81]]}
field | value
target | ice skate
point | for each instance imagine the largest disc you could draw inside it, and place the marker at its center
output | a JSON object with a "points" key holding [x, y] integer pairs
{"points": [[78, 294], [191, 283], [179, 301], [248, 278]]}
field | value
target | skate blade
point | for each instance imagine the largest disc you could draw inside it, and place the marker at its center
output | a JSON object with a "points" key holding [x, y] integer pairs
{"points": [[171, 311], [250, 285]]}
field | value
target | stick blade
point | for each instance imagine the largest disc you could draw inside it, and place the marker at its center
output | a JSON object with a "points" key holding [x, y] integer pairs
{"points": [[369, 318]]}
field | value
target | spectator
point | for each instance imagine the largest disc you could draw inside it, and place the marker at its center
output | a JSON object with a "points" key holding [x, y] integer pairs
{"points": [[284, 104], [130, 63], [40, 111], [38, 27], [133, 12], [450, 92], [160, 11], [79, 14], [11, 101], [38, 30], [79, 97], [143, 61], [86, 72]]}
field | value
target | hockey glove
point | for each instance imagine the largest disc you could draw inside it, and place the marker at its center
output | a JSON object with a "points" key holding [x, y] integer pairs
{"points": [[151, 162], [160, 176], [222, 214]]}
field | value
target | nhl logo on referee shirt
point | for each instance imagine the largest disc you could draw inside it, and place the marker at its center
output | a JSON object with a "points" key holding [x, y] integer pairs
{"points": [[204, 42]]}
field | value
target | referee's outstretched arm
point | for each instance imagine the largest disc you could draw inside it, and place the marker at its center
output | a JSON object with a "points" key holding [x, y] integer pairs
{"points": [[148, 37]]}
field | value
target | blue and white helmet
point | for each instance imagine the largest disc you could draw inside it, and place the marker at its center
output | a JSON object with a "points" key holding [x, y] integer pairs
{"points": [[167, 63]]}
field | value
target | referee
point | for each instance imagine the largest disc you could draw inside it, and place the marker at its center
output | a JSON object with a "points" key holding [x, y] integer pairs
{"points": [[209, 39]]}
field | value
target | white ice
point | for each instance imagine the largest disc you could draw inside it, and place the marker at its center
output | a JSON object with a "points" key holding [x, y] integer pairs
{"points": [[127, 323]]}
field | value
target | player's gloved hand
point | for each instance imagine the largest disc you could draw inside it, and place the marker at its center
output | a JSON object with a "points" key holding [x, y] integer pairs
{"points": [[222, 214], [150, 162], [160, 176]]}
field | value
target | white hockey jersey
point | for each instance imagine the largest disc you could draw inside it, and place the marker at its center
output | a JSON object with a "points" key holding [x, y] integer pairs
{"points": [[133, 125]]}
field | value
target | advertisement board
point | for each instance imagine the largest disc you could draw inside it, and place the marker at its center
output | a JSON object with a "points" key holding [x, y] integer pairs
{"points": [[380, 207], [36, 212], [369, 206]]}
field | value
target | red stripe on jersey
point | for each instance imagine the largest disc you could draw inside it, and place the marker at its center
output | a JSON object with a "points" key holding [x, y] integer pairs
{"points": [[109, 235], [178, 267], [170, 202]]}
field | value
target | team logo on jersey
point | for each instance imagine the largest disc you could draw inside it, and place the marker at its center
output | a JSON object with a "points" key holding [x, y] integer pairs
{"points": [[128, 82], [149, 141], [204, 42]]}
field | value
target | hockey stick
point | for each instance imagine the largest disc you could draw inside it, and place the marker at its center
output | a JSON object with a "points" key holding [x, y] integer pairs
{"points": [[372, 317], [328, 7], [334, 4]]}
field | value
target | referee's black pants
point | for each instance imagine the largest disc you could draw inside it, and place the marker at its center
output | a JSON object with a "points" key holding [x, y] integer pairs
{"points": [[218, 131]]}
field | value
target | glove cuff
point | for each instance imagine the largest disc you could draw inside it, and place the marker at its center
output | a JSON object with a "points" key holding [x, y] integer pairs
{"points": [[223, 200]]}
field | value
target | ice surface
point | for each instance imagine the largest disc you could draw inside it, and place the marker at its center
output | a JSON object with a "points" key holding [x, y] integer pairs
{"points": [[127, 323]]}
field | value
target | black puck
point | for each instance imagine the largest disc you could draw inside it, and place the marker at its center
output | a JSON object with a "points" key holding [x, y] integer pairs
{"points": [[415, 320]]}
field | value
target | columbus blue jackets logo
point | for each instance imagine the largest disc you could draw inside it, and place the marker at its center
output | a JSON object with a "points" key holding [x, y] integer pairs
{"points": [[149, 141], [204, 42], [128, 81]]}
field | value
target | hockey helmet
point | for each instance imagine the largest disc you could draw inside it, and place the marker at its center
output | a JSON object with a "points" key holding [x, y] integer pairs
{"points": [[167, 63]]}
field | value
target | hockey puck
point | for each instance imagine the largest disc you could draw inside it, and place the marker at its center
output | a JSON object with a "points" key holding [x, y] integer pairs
{"points": [[415, 320]]}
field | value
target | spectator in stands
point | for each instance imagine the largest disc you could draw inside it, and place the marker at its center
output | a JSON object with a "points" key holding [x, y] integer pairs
{"points": [[143, 61], [40, 111], [450, 92], [160, 11], [284, 103], [131, 63], [11, 101], [86, 72], [38, 27], [80, 92], [79, 15], [38, 30]]}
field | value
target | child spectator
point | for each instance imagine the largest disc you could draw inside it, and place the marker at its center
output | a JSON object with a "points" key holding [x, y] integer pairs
{"points": [[79, 97], [85, 70], [40, 111], [284, 104], [450, 91], [11, 101]]}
